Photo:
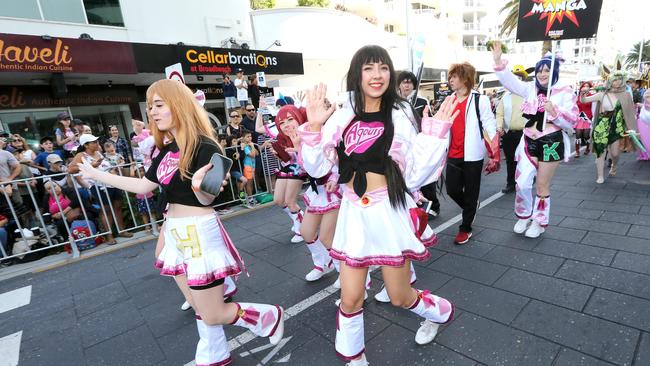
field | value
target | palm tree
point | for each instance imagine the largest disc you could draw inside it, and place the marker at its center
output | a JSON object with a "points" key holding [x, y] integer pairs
{"points": [[262, 4], [632, 58], [511, 8]]}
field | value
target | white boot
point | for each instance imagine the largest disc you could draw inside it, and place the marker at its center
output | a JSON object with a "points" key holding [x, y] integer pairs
{"points": [[318, 272], [186, 306], [262, 319], [521, 225], [359, 362], [435, 310], [322, 261], [349, 342], [534, 230], [212, 348]]}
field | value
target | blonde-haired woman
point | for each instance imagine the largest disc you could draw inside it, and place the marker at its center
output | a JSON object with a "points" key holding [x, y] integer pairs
{"points": [[197, 247]]}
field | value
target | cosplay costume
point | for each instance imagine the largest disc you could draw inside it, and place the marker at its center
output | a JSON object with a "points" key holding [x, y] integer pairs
{"points": [[547, 144], [369, 230], [585, 117], [643, 124], [200, 248], [289, 169]]}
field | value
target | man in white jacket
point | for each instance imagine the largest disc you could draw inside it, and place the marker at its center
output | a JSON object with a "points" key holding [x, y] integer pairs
{"points": [[466, 148]]}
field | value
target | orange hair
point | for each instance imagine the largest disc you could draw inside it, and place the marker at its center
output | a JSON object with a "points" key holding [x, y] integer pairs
{"points": [[188, 118], [465, 72]]}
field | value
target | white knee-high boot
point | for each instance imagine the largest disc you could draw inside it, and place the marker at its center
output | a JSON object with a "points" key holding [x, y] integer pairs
{"points": [[212, 349], [262, 319], [433, 308], [321, 258], [350, 341], [414, 278]]}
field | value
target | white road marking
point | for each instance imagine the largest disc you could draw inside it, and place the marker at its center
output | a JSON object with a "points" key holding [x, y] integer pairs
{"points": [[305, 304], [15, 299], [284, 359], [273, 352], [10, 349]]}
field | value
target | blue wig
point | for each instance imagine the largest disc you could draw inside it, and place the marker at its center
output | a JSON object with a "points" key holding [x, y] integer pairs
{"points": [[546, 61]]}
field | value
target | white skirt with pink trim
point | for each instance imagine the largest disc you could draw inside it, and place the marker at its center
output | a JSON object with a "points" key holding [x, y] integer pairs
{"points": [[321, 202], [371, 232], [199, 247]]}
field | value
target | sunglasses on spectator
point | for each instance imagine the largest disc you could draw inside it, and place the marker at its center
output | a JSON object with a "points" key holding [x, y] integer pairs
{"points": [[250, 110]]}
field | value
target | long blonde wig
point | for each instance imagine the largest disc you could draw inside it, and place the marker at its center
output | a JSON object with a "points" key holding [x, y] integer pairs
{"points": [[188, 118]]}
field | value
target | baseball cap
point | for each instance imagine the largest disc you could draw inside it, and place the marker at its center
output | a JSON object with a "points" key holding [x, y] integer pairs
{"points": [[238, 70], [86, 138], [53, 158], [62, 115]]}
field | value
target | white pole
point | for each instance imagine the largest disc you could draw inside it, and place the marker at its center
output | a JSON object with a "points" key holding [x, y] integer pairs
{"points": [[550, 81]]}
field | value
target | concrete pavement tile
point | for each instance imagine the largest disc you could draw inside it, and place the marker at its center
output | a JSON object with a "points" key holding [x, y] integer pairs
{"points": [[577, 212], [135, 347], [128, 257], [489, 222], [631, 192], [525, 260], [567, 202], [569, 357], [268, 229], [506, 237], [618, 242], [608, 278], [610, 206], [41, 322], [643, 353], [593, 336], [495, 211], [645, 210], [492, 343], [165, 316], [473, 248], [435, 254], [57, 347], [319, 351], [136, 273], [639, 231], [549, 289], [563, 233], [619, 308], [107, 323], [237, 232], [264, 275], [595, 225], [85, 278], [290, 292], [254, 243], [580, 194], [179, 346], [632, 262], [469, 268], [634, 200], [300, 265], [396, 346], [569, 188], [99, 298], [485, 301], [281, 254], [149, 290], [584, 253]]}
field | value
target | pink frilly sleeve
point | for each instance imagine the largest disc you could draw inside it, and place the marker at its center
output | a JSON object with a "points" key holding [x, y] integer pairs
{"points": [[318, 149]]}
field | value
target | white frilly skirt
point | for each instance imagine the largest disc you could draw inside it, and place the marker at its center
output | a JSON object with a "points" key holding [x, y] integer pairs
{"points": [[199, 247], [371, 232], [321, 202]]}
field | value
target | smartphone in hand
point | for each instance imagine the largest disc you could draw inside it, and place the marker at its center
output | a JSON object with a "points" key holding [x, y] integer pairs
{"points": [[214, 177]]}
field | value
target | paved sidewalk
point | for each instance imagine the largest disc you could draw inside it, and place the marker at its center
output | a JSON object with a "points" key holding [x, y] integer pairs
{"points": [[578, 295]]}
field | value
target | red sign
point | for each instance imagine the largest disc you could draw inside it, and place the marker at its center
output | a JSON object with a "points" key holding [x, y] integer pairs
{"points": [[22, 53]]}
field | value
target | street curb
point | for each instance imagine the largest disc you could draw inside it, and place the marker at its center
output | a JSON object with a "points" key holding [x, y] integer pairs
{"points": [[112, 248]]}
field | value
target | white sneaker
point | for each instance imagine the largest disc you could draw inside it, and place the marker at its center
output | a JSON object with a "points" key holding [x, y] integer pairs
{"points": [[297, 238], [317, 273], [382, 296], [337, 283], [186, 306], [534, 230], [427, 332], [338, 301], [359, 362], [521, 225]]}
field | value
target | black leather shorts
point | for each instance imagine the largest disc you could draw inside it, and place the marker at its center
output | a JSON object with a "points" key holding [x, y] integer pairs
{"points": [[548, 148]]}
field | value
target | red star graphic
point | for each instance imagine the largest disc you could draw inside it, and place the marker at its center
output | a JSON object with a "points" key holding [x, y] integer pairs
{"points": [[552, 17]]}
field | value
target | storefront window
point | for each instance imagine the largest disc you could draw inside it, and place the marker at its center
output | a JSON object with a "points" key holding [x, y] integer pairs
{"points": [[63, 11], [100, 118], [20, 9], [104, 12], [32, 125]]}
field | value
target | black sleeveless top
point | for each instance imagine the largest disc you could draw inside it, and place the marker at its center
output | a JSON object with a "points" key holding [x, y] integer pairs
{"points": [[362, 149]]}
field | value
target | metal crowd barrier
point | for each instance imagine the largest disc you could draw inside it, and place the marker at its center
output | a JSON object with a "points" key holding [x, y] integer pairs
{"points": [[50, 233]]}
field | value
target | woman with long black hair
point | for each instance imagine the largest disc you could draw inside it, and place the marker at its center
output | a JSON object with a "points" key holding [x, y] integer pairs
{"points": [[381, 160]]}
